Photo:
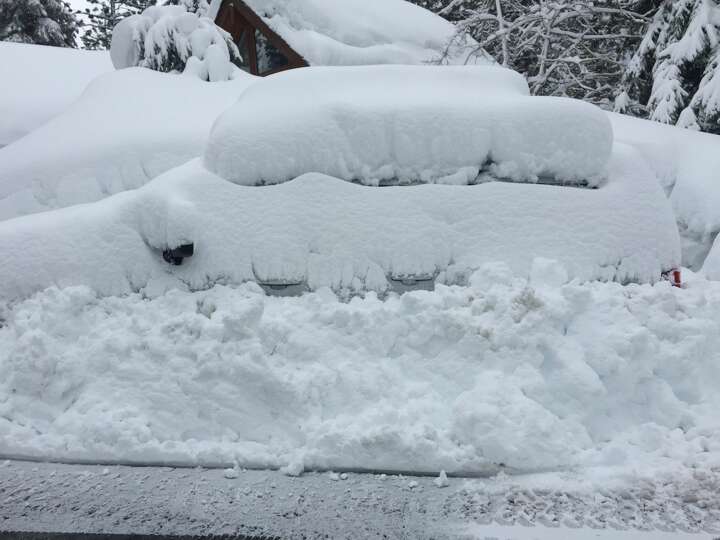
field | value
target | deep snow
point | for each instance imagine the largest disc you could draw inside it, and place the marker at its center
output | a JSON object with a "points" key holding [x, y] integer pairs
{"points": [[318, 231], [37, 83], [128, 127], [409, 123], [686, 163], [528, 373]]}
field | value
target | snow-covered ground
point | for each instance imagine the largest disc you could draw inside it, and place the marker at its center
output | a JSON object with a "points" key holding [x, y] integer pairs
{"points": [[37, 83], [265, 504], [526, 373]]}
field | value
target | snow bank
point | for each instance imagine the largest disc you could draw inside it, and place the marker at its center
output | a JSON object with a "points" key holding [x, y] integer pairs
{"points": [[168, 38], [434, 124], [529, 374], [128, 127], [40, 82], [318, 231], [687, 164], [355, 32]]}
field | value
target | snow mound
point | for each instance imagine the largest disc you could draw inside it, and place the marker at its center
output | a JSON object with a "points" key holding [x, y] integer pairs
{"points": [[128, 127], [433, 124], [359, 32], [460, 379], [168, 38], [39, 82], [687, 164], [319, 231]]}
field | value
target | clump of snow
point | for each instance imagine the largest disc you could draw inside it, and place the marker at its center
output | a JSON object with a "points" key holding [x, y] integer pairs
{"points": [[687, 165], [442, 480], [128, 127], [39, 82], [169, 38], [317, 231], [432, 124], [355, 32], [459, 379]]}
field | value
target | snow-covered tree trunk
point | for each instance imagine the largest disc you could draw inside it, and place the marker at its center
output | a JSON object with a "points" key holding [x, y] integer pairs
{"points": [[44, 22]]}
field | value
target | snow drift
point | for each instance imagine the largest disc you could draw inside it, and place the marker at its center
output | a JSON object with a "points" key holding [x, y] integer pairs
{"points": [[530, 373], [39, 82], [431, 123], [128, 127], [355, 32], [686, 164], [319, 231]]}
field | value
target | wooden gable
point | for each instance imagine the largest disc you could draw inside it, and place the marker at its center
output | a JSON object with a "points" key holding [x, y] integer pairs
{"points": [[264, 52]]}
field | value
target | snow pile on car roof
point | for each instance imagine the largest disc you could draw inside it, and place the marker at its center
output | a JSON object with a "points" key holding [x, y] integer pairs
{"points": [[39, 82], [532, 374], [354, 32], [128, 127], [407, 123], [319, 231]]}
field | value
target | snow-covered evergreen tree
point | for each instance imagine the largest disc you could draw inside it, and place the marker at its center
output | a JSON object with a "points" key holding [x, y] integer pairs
{"points": [[44, 22], [103, 15], [673, 77], [565, 47]]}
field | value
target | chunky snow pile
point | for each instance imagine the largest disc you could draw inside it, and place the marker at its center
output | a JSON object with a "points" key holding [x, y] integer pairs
{"points": [[37, 83], [318, 231], [169, 38], [534, 374], [128, 127], [355, 32], [687, 164], [409, 123]]}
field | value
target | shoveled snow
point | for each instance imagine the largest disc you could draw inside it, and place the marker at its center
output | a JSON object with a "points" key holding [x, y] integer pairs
{"points": [[128, 127], [318, 231], [374, 123], [687, 164], [507, 370], [354, 32], [37, 83]]}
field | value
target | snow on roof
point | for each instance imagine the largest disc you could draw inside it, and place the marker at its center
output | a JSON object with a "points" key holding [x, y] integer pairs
{"points": [[406, 123], [357, 32], [39, 82]]}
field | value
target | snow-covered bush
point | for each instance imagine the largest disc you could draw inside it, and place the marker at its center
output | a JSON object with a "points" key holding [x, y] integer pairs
{"points": [[171, 39]]}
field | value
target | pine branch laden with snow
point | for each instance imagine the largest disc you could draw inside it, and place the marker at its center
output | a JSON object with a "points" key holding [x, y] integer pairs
{"points": [[672, 77], [171, 39], [565, 47], [43, 22]]}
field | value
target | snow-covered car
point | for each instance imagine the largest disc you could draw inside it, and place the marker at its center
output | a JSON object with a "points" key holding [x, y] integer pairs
{"points": [[289, 193]]}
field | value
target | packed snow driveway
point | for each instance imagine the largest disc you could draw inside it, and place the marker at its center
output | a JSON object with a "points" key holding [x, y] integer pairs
{"points": [[533, 375]]}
